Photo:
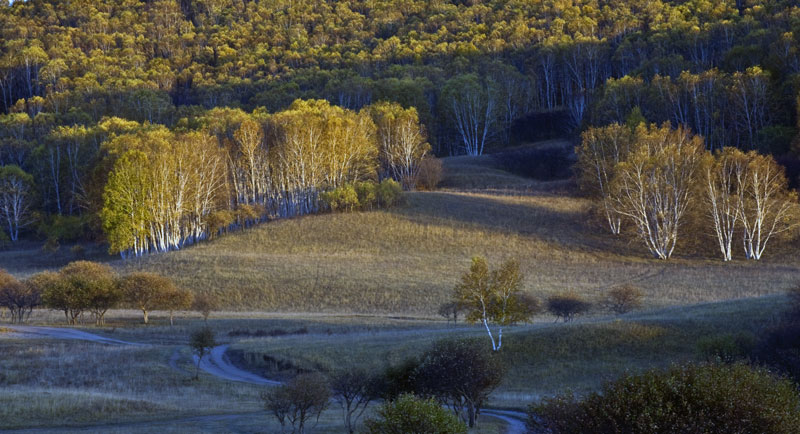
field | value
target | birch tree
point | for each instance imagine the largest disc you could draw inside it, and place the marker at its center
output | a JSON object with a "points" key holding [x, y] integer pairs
{"points": [[653, 186], [601, 150], [402, 142], [473, 106], [721, 184], [767, 206], [493, 298], [16, 195]]}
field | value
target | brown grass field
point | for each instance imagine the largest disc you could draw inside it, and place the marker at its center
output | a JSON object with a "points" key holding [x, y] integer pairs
{"points": [[365, 286]]}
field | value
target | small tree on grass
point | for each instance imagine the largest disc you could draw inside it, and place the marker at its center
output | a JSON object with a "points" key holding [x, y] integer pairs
{"points": [[202, 341], [493, 297], [450, 311], [298, 401], [567, 306], [205, 304], [409, 414], [353, 390], [94, 284], [461, 374], [145, 291], [18, 297], [623, 299], [176, 299]]}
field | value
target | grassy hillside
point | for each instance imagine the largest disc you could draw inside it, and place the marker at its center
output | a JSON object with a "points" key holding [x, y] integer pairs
{"points": [[407, 259]]}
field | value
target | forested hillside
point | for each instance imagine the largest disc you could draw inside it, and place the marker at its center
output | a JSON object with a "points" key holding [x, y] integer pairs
{"points": [[190, 106]]}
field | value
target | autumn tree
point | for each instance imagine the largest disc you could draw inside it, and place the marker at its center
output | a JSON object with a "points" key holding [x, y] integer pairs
{"points": [[20, 298], [767, 207], [473, 107], [175, 299], [722, 182], [402, 141], [654, 186], [146, 291], [601, 150], [16, 197], [300, 400], [492, 297]]}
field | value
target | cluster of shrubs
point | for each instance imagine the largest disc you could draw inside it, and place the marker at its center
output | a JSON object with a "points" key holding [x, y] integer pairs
{"points": [[458, 374], [88, 287], [363, 196], [718, 398]]}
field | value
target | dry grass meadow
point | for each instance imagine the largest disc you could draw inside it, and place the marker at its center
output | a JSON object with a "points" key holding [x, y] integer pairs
{"points": [[362, 289]]}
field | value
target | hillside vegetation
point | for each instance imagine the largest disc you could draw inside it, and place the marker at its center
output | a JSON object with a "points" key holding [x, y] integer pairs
{"points": [[407, 259]]}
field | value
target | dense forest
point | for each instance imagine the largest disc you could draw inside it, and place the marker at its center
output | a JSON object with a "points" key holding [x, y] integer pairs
{"points": [[219, 112]]}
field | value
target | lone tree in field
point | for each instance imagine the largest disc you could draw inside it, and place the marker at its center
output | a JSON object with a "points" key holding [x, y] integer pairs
{"points": [[205, 304], [202, 341], [146, 291], [493, 297], [567, 306], [623, 299], [296, 402], [176, 299]]}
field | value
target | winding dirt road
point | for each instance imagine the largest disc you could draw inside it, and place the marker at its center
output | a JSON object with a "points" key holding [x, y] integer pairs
{"points": [[217, 364]]}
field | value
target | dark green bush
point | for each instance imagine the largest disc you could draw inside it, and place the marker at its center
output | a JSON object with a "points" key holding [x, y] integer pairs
{"points": [[685, 399], [390, 192], [567, 305], [726, 348], [409, 414], [367, 192]]}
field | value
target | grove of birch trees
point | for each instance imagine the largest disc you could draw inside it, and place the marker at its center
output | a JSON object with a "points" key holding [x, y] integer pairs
{"points": [[650, 177]]}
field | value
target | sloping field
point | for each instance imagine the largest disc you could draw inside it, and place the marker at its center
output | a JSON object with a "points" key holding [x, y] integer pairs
{"points": [[407, 259]]}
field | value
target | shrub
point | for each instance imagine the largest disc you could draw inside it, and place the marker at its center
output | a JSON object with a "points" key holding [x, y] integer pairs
{"points": [[567, 306], [684, 399], [51, 245], [623, 299], [367, 192], [78, 251], [430, 173], [390, 192], [409, 414], [297, 401], [64, 228], [343, 198], [727, 348]]}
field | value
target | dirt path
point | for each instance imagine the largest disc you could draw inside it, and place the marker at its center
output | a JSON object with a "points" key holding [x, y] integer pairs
{"points": [[217, 364], [68, 334]]}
